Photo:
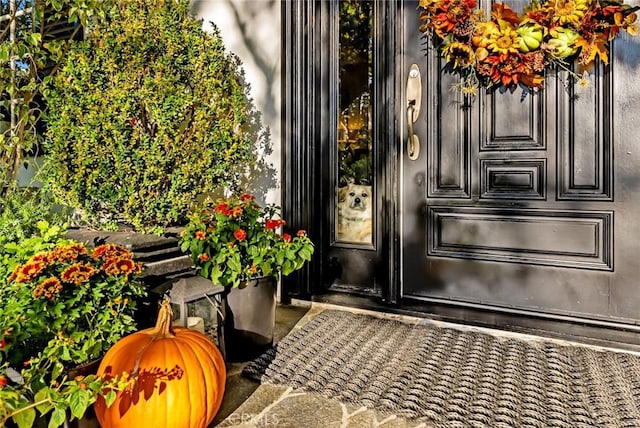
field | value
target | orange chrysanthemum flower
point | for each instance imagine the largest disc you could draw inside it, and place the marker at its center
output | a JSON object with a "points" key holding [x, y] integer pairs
{"points": [[48, 288], [68, 253], [41, 257], [204, 257], [108, 251], [78, 273], [121, 266], [200, 235], [29, 271]]}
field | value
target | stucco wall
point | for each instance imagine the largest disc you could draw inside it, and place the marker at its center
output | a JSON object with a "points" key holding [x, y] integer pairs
{"points": [[252, 30]]}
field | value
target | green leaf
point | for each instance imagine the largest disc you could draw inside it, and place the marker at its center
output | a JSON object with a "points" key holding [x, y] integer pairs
{"points": [[234, 264], [266, 269], [4, 52], [78, 402], [206, 269], [305, 253], [58, 368], [287, 267], [110, 398], [25, 418], [57, 418], [46, 406], [66, 356], [35, 38]]}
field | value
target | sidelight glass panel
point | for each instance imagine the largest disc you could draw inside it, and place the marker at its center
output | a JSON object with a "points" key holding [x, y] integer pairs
{"points": [[354, 211]]}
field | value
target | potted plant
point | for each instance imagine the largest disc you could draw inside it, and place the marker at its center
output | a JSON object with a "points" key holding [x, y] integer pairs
{"points": [[61, 308], [238, 244]]}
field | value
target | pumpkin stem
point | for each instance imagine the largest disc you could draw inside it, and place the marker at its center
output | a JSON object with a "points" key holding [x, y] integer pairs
{"points": [[163, 326]]}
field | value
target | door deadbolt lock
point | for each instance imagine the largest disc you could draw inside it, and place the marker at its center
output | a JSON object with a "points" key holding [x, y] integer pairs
{"points": [[414, 102]]}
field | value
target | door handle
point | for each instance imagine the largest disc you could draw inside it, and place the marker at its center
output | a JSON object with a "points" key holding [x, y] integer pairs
{"points": [[414, 101]]}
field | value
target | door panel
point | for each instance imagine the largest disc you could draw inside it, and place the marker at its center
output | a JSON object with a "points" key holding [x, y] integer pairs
{"points": [[511, 205], [585, 153]]}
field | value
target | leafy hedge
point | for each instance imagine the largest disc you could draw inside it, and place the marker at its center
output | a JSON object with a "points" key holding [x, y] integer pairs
{"points": [[146, 114]]}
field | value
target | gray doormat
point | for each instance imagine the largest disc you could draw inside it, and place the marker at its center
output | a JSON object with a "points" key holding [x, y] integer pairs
{"points": [[447, 377]]}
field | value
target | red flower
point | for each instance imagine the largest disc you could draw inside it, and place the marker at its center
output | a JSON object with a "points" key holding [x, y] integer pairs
{"points": [[200, 235], [223, 208], [247, 197], [240, 234], [3, 382], [3, 343], [273, 224], [301, 232], [203, 257], [286, 237]]}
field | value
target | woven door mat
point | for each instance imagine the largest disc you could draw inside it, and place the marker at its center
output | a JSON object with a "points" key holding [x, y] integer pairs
{"points": [[453, 378]]}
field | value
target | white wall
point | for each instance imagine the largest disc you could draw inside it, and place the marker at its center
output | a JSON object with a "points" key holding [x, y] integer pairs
{"points": [[252, 30]]}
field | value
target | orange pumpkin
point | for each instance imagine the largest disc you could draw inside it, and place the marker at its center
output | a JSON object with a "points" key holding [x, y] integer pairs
{"points": [[176, 378]]}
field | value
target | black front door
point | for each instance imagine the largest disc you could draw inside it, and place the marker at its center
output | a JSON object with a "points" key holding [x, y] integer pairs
{"points": [[514, 209], [526, 206]]}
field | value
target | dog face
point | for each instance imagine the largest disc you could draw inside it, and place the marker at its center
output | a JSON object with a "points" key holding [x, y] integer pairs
{"points": [[358, 197], [354, 214]]}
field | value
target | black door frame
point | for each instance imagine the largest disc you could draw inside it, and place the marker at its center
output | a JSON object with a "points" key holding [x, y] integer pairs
{"points": [[309, 131]]}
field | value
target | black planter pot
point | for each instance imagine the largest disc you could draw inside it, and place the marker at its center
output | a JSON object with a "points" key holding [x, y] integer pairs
{"points": [[249, 313]]}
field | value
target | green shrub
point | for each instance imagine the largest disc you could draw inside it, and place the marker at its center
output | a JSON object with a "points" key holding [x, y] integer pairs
{"points": [[14, 252], [146, 114], [28, 58], [22, 209]]}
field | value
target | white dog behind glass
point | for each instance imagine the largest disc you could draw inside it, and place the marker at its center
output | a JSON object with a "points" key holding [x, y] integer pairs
{"points": [[354, 214]]}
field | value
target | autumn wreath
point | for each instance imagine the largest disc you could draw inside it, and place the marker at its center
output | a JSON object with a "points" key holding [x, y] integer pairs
{"points": [[511, 49]]}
